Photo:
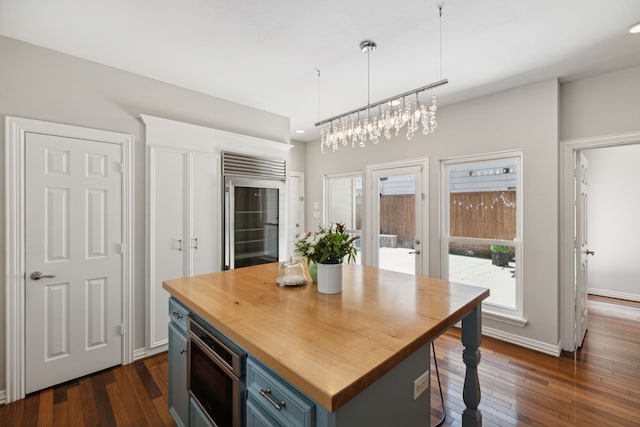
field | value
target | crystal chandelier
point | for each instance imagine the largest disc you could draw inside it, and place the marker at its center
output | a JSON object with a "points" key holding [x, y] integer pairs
{"points": [[385, 117]]}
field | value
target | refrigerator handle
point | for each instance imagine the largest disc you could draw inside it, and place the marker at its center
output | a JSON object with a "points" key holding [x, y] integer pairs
{"points": [[227, 226]]}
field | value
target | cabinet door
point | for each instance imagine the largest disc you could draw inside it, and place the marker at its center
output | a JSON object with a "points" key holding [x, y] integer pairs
{"points": [[166, 232], [197, 417], [205, 214], [256, 417], [178, 394]]}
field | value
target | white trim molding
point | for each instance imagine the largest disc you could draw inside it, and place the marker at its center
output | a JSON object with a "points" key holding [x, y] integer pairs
{"points": [[505, 318], [521, 341], [613, 294], [139, 353], [568, 149], [15, 138]]}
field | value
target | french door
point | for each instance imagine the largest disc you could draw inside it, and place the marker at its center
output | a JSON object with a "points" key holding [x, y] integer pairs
{"points": [[397, 217]]}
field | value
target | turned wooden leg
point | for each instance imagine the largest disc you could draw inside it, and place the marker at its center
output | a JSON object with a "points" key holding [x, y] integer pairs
{"points": [[471, 338]]}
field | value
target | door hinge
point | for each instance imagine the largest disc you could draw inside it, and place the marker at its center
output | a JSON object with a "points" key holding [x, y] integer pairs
{"points": [[122, 168], [121, 248], [423, 197], [302, 198], [121, 329]]}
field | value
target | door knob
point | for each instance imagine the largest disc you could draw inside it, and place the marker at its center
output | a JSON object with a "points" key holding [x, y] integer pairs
{"points": [[414, 252], [37, 275], [590, 252]]}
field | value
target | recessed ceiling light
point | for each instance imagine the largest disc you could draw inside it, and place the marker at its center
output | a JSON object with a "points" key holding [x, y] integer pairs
{"points": [[634, 29], [299, 131]]}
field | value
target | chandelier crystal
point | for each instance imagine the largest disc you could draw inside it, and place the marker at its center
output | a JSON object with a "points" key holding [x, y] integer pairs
{"points": [[392, 115]]}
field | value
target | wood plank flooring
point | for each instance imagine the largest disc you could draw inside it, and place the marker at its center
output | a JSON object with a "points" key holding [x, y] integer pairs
{"points": [[132, 395], [520, 387]]}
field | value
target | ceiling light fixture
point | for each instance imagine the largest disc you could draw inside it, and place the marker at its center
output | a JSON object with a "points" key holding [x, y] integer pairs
{"points": [[351, 128], [634, 29]]}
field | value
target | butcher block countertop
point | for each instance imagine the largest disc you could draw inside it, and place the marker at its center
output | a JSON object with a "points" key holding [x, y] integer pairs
{"points": [[329, 346]]}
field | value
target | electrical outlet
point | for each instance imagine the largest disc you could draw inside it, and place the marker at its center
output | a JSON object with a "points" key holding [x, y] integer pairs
{"points": [[420, 384]]}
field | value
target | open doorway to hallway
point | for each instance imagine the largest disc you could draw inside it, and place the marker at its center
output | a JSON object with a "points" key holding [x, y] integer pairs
{"points": [[614, 231], [615, 203]]}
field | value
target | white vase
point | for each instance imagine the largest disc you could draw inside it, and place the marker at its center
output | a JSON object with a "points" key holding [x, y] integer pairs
{"points": [[329, 278]]}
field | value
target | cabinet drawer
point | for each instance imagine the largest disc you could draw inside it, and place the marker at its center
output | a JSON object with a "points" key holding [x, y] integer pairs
{"points": [[178, 314], [267, 389]]}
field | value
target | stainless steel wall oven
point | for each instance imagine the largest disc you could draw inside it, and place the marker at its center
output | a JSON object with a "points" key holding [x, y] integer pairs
{"points": [[254, 202], [216, 375]]}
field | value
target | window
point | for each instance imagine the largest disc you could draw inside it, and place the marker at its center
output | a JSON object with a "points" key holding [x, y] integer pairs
{"points": [[482, 227], [343, 201]]}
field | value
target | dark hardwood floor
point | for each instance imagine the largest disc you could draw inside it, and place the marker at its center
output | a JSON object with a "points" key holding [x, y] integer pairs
{"points": [[132, 395], [520, 387]]}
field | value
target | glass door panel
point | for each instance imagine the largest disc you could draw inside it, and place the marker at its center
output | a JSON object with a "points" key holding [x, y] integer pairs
{"points": [[256, 225], [397, 220]]}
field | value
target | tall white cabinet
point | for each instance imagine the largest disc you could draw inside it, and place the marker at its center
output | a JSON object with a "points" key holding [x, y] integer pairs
{"points": [[182, 217], [184, 208]]}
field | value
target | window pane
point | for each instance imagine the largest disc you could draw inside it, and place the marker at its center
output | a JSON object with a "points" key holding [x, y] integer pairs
{"points": [[487, 266], [482, 200]]}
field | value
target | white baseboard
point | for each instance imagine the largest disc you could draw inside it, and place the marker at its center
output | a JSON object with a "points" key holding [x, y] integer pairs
{"points": [[148, 352], [3, 397], [540, 346], [139, 353], [614, 294]]}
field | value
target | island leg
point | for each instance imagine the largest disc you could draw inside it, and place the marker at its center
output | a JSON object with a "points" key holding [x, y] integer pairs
{"points": [[471, 338]]}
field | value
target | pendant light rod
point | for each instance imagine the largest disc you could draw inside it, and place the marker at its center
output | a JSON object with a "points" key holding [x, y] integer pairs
{"points": [[384, 101]]}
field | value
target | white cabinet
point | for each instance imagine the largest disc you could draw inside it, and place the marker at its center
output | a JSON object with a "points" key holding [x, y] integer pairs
{"points": [[183, 226], [184, 207]]}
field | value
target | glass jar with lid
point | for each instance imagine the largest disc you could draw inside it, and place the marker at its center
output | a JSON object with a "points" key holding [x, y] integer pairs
{"points": [[291, 273]]}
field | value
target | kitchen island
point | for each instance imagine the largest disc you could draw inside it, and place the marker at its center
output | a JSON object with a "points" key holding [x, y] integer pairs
{"points": [[358, 356]]}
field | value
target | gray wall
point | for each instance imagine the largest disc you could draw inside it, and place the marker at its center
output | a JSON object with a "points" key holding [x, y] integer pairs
{"points": [[298, 156], [613, 227], [41, 84], [601, 105], [525, 119]]}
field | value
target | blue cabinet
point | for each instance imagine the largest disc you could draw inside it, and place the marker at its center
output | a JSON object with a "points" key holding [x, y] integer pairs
{"points": [[258, 417], [197, 417], [178, 393], [274, 402]]}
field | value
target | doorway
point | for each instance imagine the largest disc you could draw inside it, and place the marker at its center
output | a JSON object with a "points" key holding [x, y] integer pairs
{"points": [[69, 255], [397, 224], [574, 267]]}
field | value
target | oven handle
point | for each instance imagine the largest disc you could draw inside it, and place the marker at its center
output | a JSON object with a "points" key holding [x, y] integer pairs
{"points": [[192, 338]]}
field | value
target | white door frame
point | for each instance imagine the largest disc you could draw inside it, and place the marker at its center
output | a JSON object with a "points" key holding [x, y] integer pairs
{"points": [[370, 201], [15, 137], [568, 151], [299, 207]]}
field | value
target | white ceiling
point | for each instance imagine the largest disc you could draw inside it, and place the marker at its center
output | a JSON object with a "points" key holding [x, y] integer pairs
{"points": [[264, 53]]}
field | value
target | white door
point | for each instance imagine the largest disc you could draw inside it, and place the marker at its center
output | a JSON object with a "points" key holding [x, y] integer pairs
{"points": [[205, 223], [168, 207], [73, 238], [582, 248], [397, 219], [296, 209]]}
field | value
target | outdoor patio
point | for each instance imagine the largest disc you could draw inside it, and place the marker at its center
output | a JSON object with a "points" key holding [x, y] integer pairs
{"points": [[462, 269]]}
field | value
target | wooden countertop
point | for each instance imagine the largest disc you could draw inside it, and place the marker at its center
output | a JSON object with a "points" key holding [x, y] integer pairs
{"points": [[330, 346]]}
